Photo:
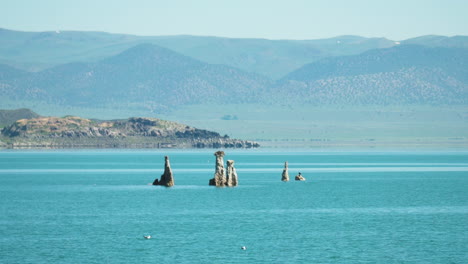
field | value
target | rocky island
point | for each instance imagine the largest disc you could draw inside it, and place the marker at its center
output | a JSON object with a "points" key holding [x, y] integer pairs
{"points": [[135, 132]]}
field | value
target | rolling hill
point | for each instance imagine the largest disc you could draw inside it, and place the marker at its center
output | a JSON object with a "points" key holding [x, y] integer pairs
{"points": [[157, 80], [8, 117], [438, 41], [148, 76], [36, 51], [408, 74], [414, 92]]}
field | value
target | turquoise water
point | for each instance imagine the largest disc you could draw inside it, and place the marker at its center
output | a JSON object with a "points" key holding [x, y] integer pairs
{"points": [[355, 207]]}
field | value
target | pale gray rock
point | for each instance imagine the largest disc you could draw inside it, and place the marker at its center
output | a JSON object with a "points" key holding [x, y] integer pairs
{"points": [[167, 179], [285, 175], [219, 179], [231, 174]]}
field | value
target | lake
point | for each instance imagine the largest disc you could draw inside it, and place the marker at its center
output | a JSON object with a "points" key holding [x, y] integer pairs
{"points": [[95, 206]]}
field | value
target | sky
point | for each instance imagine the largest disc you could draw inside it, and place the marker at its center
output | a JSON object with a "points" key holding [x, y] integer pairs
{"points": [[270, 19]]}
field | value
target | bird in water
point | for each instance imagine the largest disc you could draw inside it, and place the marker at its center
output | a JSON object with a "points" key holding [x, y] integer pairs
{"points": [[244, 248], [147, 237]]}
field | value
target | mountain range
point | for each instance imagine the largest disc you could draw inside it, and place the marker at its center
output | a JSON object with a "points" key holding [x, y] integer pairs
{"points": [[35, 51], [344, 89], [146, 75], [158, 80]]}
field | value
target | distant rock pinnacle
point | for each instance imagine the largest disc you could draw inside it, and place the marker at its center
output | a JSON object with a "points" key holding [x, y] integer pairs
{"points": [[219, 179], [285, 175], [167, 179], [231, 174]]}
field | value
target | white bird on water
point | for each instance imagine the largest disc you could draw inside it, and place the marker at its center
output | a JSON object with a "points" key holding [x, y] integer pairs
{"points": [[244, 248], [147, 237]]}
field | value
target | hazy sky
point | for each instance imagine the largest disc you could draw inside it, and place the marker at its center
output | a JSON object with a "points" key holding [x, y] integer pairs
{"points": [[273, 19]]}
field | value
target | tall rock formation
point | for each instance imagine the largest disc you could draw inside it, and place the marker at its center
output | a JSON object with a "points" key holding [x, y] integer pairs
{"points": [[167, 179], [231, 174], [285, 175], [219, 179]]}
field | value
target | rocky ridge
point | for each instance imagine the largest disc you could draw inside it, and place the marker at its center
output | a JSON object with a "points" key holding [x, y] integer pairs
{"points": [[72, 131]]}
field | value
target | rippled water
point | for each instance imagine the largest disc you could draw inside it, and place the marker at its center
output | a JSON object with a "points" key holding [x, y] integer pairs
{"points": [[355, 207]]}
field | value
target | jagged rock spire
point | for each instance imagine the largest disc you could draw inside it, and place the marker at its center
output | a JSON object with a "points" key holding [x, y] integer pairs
{"points": [[167, 179], [231, 174], [285, 175], [219, 179]]}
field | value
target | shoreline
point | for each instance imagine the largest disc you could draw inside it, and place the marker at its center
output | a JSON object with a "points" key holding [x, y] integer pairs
{"points": [[329, 146]]}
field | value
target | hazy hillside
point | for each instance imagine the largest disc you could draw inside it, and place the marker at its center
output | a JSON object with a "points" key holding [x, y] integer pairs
{"points": [[154, 79], [40, 50], [407, 93], [406, 74], [272, 58], [439, 41], [146, 76], [9, 73], [8, 117]]}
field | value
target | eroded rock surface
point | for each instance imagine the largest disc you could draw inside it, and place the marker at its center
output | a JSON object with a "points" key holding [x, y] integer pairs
{"points": [[167, 179], [285, 175], [72, 131], [231, 178], [219, 179]]}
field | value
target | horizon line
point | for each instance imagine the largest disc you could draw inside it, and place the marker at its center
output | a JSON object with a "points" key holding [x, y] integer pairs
{"points": [[59, 31]]}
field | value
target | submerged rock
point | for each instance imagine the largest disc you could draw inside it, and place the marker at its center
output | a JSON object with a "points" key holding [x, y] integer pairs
{"points": [[219, 179], [231, 178], [285, 175], [167, 179], [299, 177]]}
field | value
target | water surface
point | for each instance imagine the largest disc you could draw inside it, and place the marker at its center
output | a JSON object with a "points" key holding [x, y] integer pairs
{"points": [[355, 207]]}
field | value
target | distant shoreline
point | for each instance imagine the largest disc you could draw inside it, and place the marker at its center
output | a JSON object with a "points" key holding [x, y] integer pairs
{"points": [[330, 145], [355, 144]]}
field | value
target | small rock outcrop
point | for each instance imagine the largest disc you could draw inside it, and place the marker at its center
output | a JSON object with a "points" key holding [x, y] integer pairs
{"points": [[167, 179], [285, 175], [231, 178], [219, 179], [299, 177]]}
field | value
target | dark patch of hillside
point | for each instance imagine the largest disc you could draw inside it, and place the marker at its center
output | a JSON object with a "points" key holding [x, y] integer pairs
{"points": [[8, 117]]}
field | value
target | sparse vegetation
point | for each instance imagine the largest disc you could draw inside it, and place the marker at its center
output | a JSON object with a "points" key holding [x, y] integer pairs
{"points": [[7, 117], [134, 132]]}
